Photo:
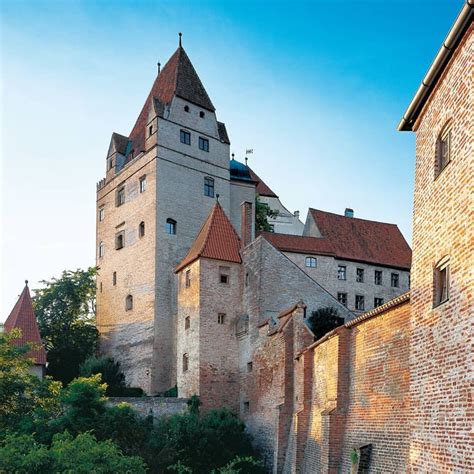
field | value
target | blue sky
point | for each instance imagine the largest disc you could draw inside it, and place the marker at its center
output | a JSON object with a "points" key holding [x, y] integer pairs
{"points": [[315, 88]]}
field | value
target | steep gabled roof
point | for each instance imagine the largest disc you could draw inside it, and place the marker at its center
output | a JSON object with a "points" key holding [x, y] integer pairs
{"points": [[262, 188], [23, 317], [178, 78], [362, 240], [299, 244], [217, 240]]}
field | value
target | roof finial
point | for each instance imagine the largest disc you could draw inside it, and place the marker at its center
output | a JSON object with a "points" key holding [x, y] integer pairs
{"points": [[180, 34], [233, 154], [159, 67], [26, 282], [217, 197], [246, 161]]}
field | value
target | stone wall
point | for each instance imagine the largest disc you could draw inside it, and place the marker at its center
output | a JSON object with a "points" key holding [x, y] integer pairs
{"points": [[441, 359], [156, 406]]}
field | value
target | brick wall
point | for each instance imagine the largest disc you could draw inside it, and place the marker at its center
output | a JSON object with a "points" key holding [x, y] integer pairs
{"points": [[441, 359]]}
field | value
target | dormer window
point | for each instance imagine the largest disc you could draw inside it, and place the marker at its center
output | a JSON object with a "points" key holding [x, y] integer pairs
{"points": [[443, 149], [202, 114], [186, 108]]}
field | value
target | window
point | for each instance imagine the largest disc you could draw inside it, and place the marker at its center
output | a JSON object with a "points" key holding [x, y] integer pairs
{"points": [[247, 279], [101, 214], [141, 229], [101, 249], [186, 108], [246, 407], [170, 226], [120, 240], [249, 366], [443, 149], [185, 362], [129, 303], [101, 287], [203, 144], [395, 280], [441, 281], [272, 227], [342, 298], [111, 164], [360, 275], [209, 187], [378, 302], [120, 196], [224, 275], [310, 262], [150, 130], [143, 184], [187, 279], [202, 114], [341, 272], [359, 303], [221, 318], [114, 278], [187, 322], [378, 277], [185, 137]]}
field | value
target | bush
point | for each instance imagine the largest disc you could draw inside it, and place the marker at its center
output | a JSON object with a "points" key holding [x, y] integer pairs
{"points": [[324, 320], [83, 454], [110, 371]]}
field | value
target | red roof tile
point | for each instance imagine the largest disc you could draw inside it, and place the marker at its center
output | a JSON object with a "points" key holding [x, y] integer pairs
{"points": [[217, 239], [178, 78], [349, 238], [262, 188], [362, 240], [23, 317]]}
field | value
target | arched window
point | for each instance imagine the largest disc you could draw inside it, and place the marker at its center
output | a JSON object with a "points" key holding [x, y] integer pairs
{"points": [[170, 226], [129, 303], [141, 229], [443, 149], [101, 249]]}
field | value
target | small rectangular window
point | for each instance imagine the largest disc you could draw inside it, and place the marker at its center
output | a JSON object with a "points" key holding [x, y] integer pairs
{"points": [[142, 184], [187, 322], [203, 144], [221, 318], [359, 303], [342, 298], [246, 407], [120, 240], [170, 226], [120, 196], [101, 214], [185, 137], [360, 275], [441, 282], [188, 278], [185, 362], [341, 272], [114, 278], [443, 149], [395, 280], [378, 277], [150, 130], [378, 302], [249, 366], [101, 249], [209, 187], [224, 275], [310, 262]]}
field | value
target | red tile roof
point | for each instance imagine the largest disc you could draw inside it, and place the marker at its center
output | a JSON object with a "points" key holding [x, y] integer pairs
{"points": [[362, 240], [349, 238], [23, 317], [262, 188], [178, 78], [217, 239]]}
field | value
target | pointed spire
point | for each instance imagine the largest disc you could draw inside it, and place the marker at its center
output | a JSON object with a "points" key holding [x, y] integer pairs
{"points": [[217, 240], [23, 317]]}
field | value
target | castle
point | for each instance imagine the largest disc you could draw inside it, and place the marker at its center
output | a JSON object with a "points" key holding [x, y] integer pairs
{"points": [[190, 295]]}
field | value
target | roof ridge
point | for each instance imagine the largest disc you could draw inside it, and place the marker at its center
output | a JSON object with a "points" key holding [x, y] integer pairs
{"points": [[352, 218]]}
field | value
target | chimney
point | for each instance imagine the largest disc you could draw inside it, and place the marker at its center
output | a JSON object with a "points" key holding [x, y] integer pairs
{"points": [[349, 212], [297, 214], [246, 223]]}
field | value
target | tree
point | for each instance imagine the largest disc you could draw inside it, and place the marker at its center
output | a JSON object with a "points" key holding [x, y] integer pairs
{"points": [[65, 309], [324, 320], [262, 213], [111, 373]]}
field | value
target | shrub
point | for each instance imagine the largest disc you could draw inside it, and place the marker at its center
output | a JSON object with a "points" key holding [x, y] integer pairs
{"points": [[110, 371], [324, 320]]}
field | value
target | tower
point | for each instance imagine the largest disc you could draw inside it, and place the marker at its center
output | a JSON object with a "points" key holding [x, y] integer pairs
{"points": [[159, 187]]}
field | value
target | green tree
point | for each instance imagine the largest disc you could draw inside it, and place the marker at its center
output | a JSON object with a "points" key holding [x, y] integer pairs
{"points": [[262, 213], [324, 320], [82, 454], [111, 373], [25, 401], [65, 308]]}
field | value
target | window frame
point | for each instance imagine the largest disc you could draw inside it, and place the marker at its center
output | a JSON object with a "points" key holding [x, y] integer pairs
{"points": [[171, 225], [114, 279], [221, 318], [443, 140], [380, 300], [101, 213], [187, 278], [142, 184], [185, 137], [342, 270], [101, 249], [359, 298], [120, 237], [224, 272], [185, 361], [129, 302], [360, 275], [441, 273], [120, 198], [203, 144], [187, 323], [395, 277], [339, 294], [311, 260], [141, 229], [209, 186], [377, 281]]}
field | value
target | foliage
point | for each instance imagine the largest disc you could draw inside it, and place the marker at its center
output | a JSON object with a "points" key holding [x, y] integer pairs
{"points": [[82, 454], [110, 371], [193, 405], [324, 320], [65, 309], [171, 392], [242, 465], [262, 213], [25, 401], [354, 456]]}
